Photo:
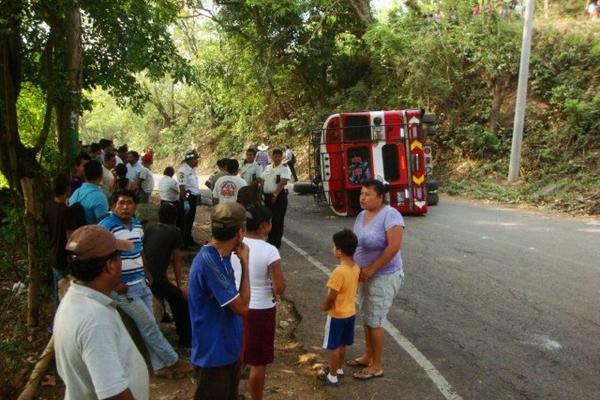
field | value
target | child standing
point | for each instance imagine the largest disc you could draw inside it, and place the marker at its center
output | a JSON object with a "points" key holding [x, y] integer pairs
{"points": [[340, 305]]}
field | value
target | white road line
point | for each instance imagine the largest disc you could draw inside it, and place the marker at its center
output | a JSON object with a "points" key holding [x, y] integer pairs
{"points": [[438, 379]]}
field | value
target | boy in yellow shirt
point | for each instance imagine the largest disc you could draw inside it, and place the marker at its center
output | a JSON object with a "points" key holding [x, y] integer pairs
{"points": [[340, 305]]}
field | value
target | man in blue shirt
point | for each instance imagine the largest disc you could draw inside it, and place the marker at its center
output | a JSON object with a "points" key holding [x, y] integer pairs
{"points": [[217, 307], [90, 194]]}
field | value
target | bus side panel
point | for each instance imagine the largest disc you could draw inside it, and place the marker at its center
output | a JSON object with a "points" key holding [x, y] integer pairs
{"points": [[393, 125]]}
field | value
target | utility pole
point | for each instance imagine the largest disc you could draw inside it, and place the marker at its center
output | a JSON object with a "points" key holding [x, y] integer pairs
{"points": [[517, 138]]}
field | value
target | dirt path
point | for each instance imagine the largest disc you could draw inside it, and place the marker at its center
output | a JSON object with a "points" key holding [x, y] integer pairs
{"points": [[291, 376]]}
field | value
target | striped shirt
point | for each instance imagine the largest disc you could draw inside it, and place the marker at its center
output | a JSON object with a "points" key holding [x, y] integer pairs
{"points": [[133, 266]]}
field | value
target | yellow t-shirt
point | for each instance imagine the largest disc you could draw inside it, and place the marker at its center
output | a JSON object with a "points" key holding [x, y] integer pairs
{"points": [[344, 280]]}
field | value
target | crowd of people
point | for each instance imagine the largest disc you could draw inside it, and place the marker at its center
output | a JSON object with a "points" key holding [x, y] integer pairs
{"points": [[226, 314]]}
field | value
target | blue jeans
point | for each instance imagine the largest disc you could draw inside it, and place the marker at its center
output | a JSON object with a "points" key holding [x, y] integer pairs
{"points": [[137, 303]]}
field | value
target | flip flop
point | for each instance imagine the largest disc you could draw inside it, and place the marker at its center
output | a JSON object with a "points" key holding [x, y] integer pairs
{"points": [[355, 363], [365, 375]]}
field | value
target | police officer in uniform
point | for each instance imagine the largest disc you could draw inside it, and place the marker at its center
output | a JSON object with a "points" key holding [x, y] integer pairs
{"points": [[275, 176], [189, 192]]}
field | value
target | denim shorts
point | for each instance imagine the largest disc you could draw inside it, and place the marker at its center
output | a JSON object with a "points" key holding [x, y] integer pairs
{"points": [[376, 296]]}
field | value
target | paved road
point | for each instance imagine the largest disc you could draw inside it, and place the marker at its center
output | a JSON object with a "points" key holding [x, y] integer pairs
{"points": [[504, 303]]}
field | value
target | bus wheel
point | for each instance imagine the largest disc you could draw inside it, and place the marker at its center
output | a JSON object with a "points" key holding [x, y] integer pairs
{"points": [[432, 185], [432, 199], [305, 188]]}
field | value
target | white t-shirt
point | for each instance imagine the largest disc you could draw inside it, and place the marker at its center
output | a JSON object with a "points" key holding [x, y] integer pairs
{"points": [[133, 171], [168, 189], [147, 179], [107, 180], [227, 187], [95, 356], [248, 170], [269, 176], [262, 254]]}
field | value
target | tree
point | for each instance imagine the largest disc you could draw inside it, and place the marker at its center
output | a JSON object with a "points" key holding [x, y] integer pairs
{"points": [[41, 44]]}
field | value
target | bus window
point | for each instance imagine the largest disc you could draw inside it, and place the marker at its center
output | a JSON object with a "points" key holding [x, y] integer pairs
{"points": [[357, 128], [390, 162], [359, 165]]}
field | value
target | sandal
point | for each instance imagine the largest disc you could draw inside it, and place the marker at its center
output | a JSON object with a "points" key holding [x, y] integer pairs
{"points": [[365, 375], [355, 363]]}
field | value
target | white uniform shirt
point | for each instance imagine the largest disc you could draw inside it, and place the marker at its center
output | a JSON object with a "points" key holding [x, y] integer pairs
{"points": [[186, 176], [95, 356], [168, 189], [262, 254], [249, 169], [270, 174], [147, 179], [227, 187]]}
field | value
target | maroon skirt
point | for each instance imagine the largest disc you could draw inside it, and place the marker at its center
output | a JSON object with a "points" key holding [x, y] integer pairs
{"points": [[259, 337]]}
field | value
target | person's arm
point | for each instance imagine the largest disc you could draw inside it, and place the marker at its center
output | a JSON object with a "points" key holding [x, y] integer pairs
{"points": [[329, 300], [394, 240], [240, 304], [124, 395], [101, 207], [277, 279], [177, 270], [146, 270]]}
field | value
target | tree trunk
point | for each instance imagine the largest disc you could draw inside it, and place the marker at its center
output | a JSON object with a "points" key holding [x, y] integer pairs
{"points": [[362, 9], [30, 222], [68, 106]]}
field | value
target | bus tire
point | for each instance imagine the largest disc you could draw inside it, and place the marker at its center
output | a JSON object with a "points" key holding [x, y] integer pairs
{"points": [[432, 199], [432, 185], [305, 188]]}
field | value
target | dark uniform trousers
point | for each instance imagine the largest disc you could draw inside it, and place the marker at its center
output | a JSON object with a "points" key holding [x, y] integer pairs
{"points": [[188, 239], [278, 209]]}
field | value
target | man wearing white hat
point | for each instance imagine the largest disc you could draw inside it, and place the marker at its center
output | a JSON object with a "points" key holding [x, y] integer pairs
{"points": [[262, 156]]}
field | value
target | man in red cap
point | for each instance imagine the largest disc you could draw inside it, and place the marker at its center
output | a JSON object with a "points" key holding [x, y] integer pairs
{"points": [[146, 178], [95, 356]]}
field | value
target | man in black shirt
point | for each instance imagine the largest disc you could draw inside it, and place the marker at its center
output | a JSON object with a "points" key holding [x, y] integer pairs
{"points": [[162, 246], [60, 220]]}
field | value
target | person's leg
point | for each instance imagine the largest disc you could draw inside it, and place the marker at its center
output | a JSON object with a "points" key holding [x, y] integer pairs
{"points": [[189, 221], [213, 383], [341, 358], [138, 305], [279, 209], [179, 308], [377, 335], [334, 361], [234, 380], [292, 167], [256, 381]]}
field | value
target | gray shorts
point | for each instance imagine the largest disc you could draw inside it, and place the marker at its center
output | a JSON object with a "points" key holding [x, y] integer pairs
{"points": [[375, 297]]}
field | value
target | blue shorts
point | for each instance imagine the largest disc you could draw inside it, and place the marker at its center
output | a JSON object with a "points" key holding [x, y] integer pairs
{"points": [[338, 332]]}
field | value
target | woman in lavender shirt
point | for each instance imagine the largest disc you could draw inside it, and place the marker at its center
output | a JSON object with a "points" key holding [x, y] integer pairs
{"points": [[379, 229]]}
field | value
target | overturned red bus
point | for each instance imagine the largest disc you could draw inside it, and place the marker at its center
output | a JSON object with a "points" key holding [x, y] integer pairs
{"points": [[385, 145]]}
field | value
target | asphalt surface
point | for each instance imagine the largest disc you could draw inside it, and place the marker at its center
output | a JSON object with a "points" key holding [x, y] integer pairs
{"points": [[505, 303]]}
